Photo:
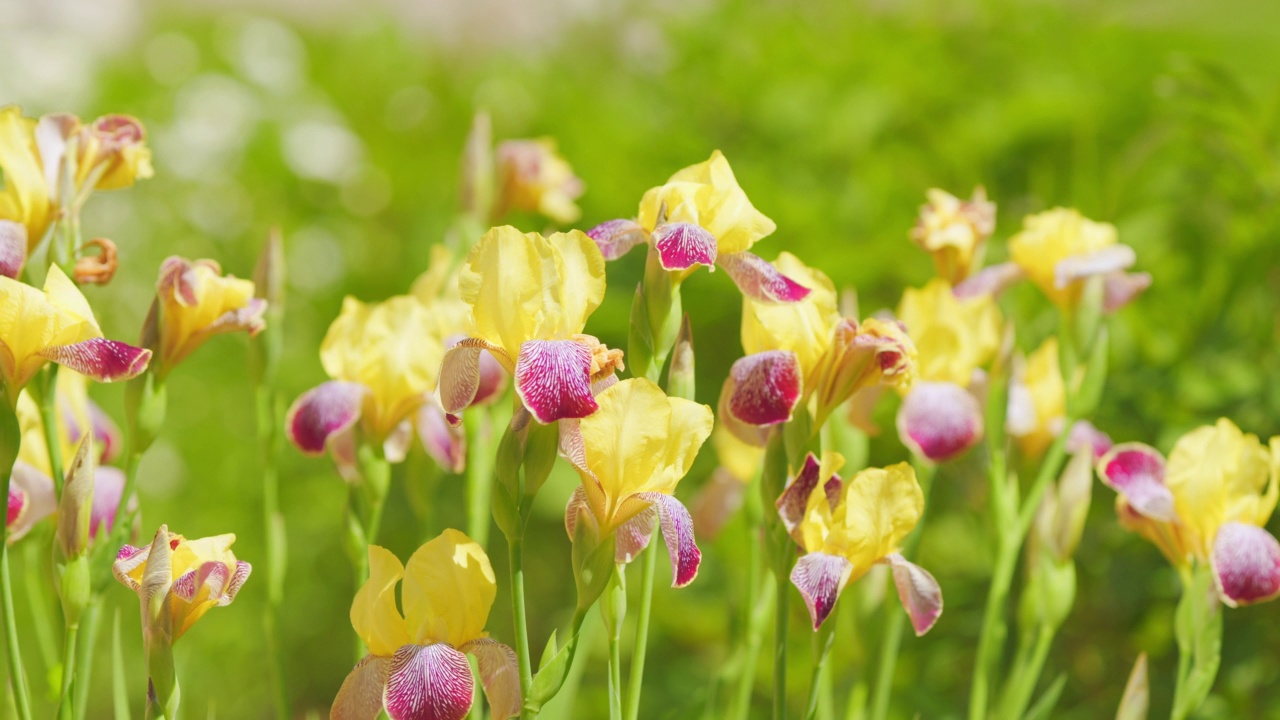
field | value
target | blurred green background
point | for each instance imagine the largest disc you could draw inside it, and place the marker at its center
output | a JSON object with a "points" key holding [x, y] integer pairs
{"points": [[342, 123]]}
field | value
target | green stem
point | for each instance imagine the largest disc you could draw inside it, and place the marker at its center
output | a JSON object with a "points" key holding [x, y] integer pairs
{"points": [[38, 602], [1028, 674], [479, 473], [822, 641], [515, 549], [49, 421], [636, 682], [615, 676], [85, 655], [896, 621], [781, 619], [760, 598], [66, 698], [270, 414], [119, 683], [17, 676]]}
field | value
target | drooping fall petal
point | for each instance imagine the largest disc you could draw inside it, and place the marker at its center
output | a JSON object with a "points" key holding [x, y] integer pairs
{"points": [[323, 413], [766, 387], [101, 359], [939, 421], [1246, 564], [616, 237], [360, 697], [13, 248], [820, 578], [758, 279], [428, 682], [683, 245], [444, 442], [919, 592], [1136, 471], [677, 533], [499, 675], [553, 379]]}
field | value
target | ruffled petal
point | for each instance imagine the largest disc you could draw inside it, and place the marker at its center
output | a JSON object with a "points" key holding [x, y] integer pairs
{"points": [[793, 501], [101, 359], [1246, 564], [428, 682], [939, 421], [820, 578], [766, 387], [13, 248], [472, 372], [1136, 471], [360, 697], [499, 675], [616, 237], [683, 245], [919, 592], [322, 413], [758, 279], [1085, 432], [553, 379], [677, 533]]}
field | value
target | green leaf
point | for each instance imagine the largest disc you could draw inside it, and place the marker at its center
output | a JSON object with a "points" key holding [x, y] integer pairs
{"points": [[1137, 693], [1044, 706]]}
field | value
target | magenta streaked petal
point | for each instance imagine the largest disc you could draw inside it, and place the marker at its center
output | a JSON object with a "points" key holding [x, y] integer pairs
{"points": [[1101, 262], [681, 246], [212, 575], [499, 675], [428, 682], [249, 318], [1136, 471], [38, 499], [820, 577], [793, 501], [322, 413], [577, 504], [553, 379], [467, 374], [616, 237], [758, 279], [677, 533], [127, 560], [1246, 564], [939, 421], [13, 248], [1120, 289], [991, 281], [177, 279], [633, 536], [766, 387], [101, 359], [360, 697], [237, 580], [1086, 432], [17, 501], [572, 447], [920, 594], [444, 442]]}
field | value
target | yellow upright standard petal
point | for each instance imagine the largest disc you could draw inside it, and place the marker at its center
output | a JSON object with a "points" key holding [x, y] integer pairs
{"points": [[32, 321], [708, 195], [373, 613], [1052, 236], [953, 337], [449, 588], [877, 508], [25, 194], [803, 327], [522, 286]]}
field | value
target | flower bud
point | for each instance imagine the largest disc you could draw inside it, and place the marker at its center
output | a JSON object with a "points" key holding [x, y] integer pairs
{"points": [[680, 376], [939, 421], [534, 177], [196, 302]]}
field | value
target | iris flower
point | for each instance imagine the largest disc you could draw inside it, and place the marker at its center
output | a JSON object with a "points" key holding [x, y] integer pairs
{"points": [[631, 455], [57, 325], [1209, 502], [196, 301], [845, 528], [530, 297], [701, 216], [179, 580], [534, 177], [1059, 249], [417, 667], [955, 232]]}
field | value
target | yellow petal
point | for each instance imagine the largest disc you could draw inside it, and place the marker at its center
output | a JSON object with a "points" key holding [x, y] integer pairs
{"points": [[708, 194], [32, 320], [373, 613], [25, 196], [953, 337], [878, 507], [803, 327], [740, 459], [526, 287], [1040, 384], [448, 590], [640, 440], [186, 326], [1052, 236]]}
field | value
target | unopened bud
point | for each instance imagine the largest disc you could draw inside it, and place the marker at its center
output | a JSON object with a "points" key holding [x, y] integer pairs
{"points": [[75, 509], [680, 376], [477, 170]]}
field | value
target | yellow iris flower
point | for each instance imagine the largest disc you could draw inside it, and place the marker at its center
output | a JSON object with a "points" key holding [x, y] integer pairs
{"points": [[804, 328], [953, 336], [1051, 237], [416, 657], [196, 301], [708, 195], [25, 197], [534, 177], [955, 232], [1037, 399]]}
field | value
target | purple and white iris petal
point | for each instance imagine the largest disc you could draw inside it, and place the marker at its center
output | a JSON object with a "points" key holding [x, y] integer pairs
{"points": [[127, 560], [13, 248], [238, 578], [919, 592], [553, 379], [793, 501], [758, 279], [17, 501], [212, 575], [322, 413], [38, 499], [633, 535], [492, 376], [360, 697], [428, 682], [1136, 471], [1246, 564], [499, 675], [616, 237], [1121, 288], [466, 378], [677, 532], [820, 577], [248, 318], [1100, 262], [991, 280], [939, 421], [766, 387], [681, 246], [444, 442], [101, 359]]}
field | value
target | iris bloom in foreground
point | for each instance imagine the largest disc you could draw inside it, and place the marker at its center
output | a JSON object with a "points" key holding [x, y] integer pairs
{"points": [[701, 216], [57, 325], [845, 528], [417, 667], [530, 297], [631, 455], [179, 580], [1209, 502]]}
